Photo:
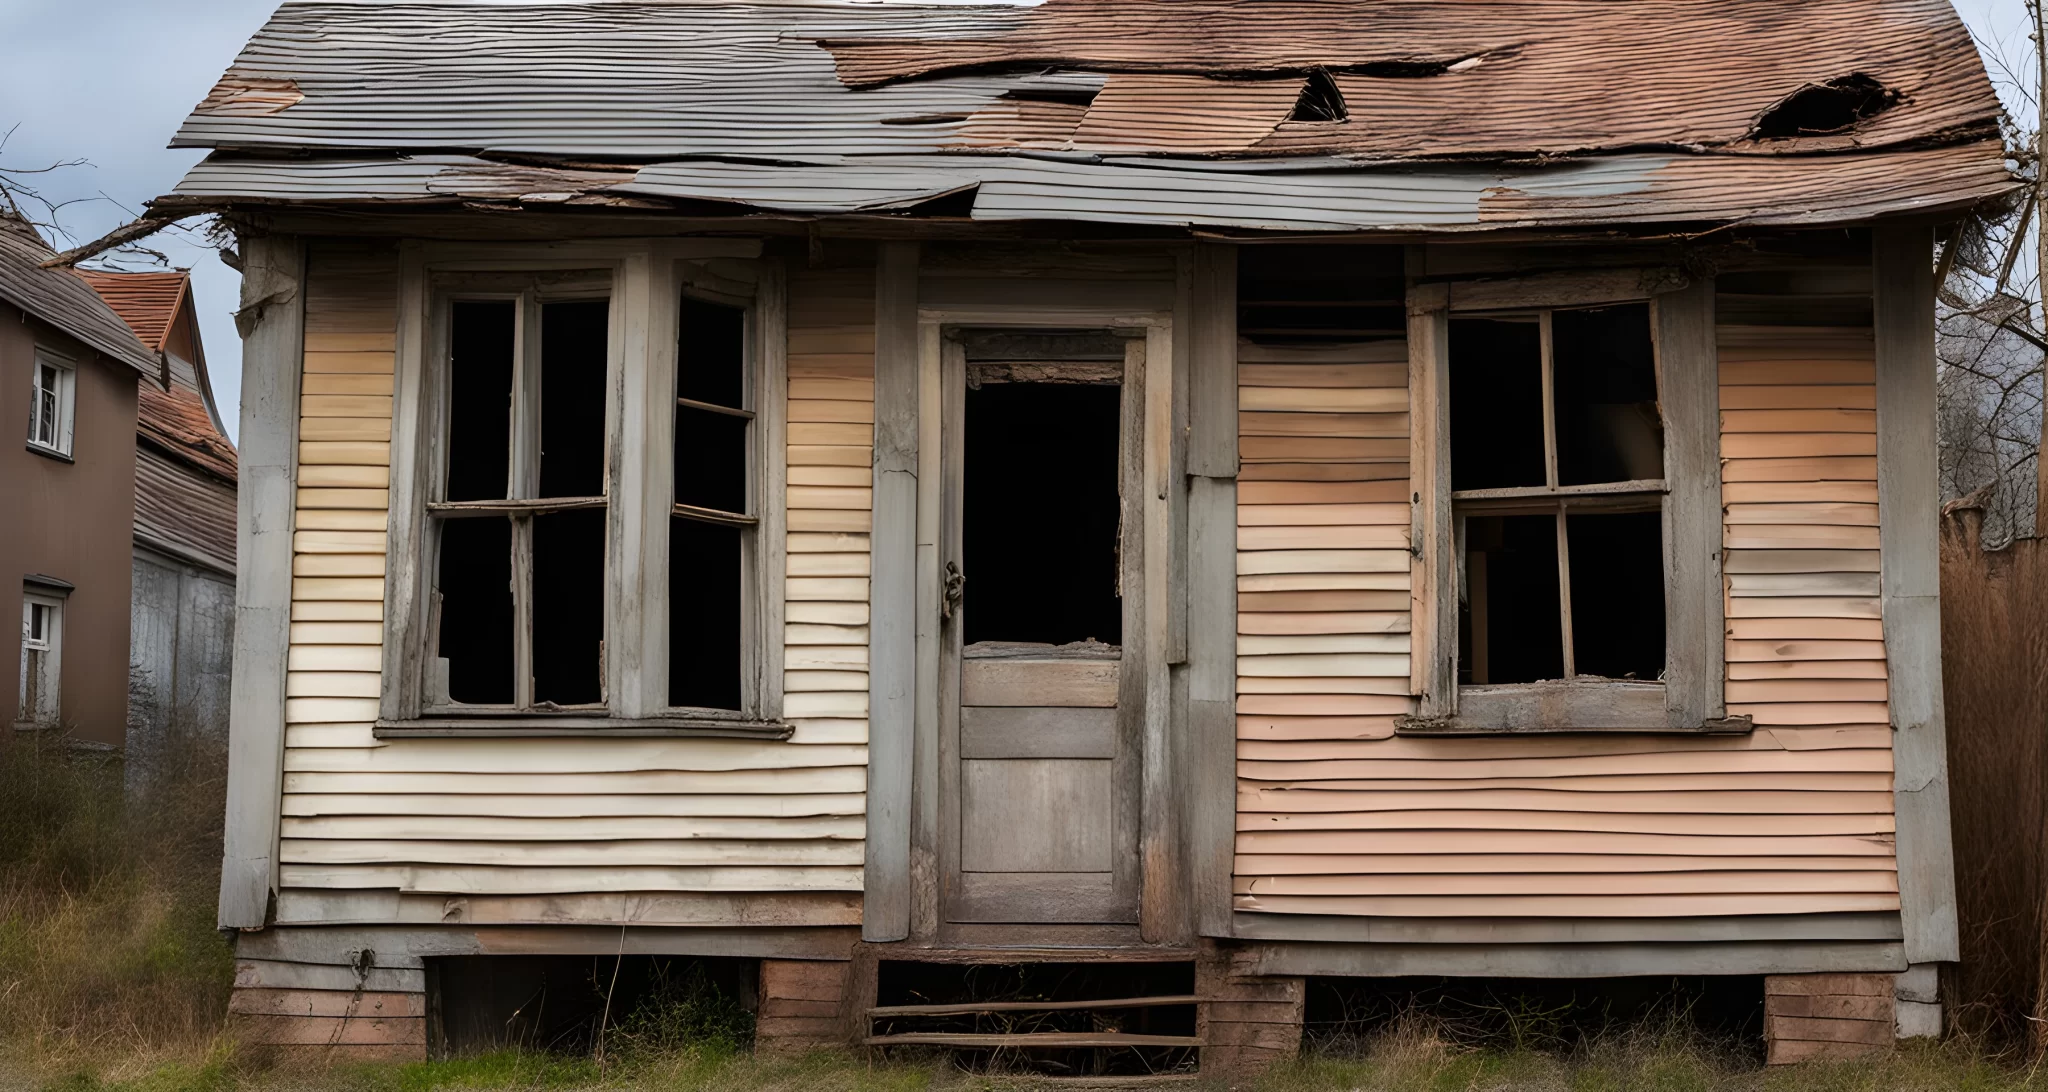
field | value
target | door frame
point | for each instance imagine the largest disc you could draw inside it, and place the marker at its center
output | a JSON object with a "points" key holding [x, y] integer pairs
{"points": [[1144, 688]]}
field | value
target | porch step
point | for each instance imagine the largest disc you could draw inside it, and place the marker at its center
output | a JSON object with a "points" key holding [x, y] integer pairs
{"points": [[970, 1008], [1032, 1040]]}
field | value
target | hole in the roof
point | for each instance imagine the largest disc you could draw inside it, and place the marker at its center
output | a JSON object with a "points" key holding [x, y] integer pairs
{"points": [[1061, 96], [1821, 109], [925, 119], [1320, 100]]}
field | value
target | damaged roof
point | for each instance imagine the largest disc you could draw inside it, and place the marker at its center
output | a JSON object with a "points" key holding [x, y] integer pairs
{"points": [[1276, 114], [62, 298]]}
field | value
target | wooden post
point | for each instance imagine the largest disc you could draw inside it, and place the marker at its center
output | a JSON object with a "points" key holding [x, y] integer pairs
{"points": [[1248, 1023], [892, 707], [1910, 562], [272, 322], [803, 1006], [1210, 808]]}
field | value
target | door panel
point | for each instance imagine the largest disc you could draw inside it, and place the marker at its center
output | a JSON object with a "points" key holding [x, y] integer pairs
{"points": [[1019, 682], [1035, 815], [1025, 732], [1026, 897]]}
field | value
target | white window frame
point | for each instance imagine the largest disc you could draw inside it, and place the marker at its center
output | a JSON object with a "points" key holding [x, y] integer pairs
{"points": [[42, 661], [645, 282], [1690, 695], [56, 440]]}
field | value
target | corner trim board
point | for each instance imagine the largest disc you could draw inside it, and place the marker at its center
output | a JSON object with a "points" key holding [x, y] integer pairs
{"points": [[1910, 571], [274, 307]]}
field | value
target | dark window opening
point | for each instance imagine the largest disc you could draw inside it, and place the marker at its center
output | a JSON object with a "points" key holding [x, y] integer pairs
{"points": [[480, 399], [1608, 427], [573, 339], [1617, 577], [1509, 628], [475, 583], [568, 608], [1560, 580], [1321, 99], [1496, 404], [1041, 513], [1822, 109], [520, 584], [712, 527]]}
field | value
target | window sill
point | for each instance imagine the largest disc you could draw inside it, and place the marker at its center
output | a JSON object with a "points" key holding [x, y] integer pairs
{"points": [[49, 452], [1585, 705], [529, 726]]}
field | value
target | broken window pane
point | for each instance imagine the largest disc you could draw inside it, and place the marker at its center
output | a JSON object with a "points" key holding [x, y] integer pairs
{"points": [[1041, 513], [1617, 567], [480, 341], [568, 607], [475, 584], [1510, 629], [704, 619], [1496, 403], [1604, 370], [706, 625], [573, 339]]}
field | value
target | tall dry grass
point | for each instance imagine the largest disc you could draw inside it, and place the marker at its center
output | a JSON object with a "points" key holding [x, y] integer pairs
{"points": [[1994, 635], [107, 940]]}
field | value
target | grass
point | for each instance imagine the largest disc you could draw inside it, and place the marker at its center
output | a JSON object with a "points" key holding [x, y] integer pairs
{"points": [[112, 979]]}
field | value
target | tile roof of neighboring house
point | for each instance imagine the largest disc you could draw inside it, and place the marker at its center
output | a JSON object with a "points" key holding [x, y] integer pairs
{"points": [[1292, 115], [147, 302], [62, 299], [179, 418]]}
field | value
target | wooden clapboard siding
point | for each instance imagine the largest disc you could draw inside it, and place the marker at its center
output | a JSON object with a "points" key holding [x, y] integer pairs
{"points": [[1337, 816], [540, 821]]}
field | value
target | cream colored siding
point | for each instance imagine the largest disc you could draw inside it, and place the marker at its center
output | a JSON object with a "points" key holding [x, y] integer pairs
{"points": [[648, 830], [1337, 816]]}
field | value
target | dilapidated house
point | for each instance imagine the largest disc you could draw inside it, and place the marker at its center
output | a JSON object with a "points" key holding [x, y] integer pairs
{"points": [[1237, 492], [182, 599]]}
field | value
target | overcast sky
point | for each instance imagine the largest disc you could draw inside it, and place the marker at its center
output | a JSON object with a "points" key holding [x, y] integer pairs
{"points": [[108, 81]]}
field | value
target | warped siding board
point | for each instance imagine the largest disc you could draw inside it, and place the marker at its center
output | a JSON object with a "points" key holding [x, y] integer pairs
{"points": [[532, 820], [1338, 816]]}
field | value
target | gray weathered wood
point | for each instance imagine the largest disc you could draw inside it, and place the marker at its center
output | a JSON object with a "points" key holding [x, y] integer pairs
{"points": [[1209, 806], [1433, 671], [272, 318], [1363, 930], [1024, 732], [1908, 509], [1047, 897], [892, 640], [416, 454], [1575, 288], [1034, 683], [1689, 392], [1212, 363], [1575, 960], [1037, 815], [1585, 705]]}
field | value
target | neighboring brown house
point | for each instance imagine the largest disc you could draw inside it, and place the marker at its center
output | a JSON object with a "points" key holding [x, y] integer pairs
{"points": [[182, 614], [68, 377]]}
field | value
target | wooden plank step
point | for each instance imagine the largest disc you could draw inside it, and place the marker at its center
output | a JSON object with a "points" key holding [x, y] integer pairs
{"points": [[1039, 1081], [1032, 1006], [1032, 1040]]}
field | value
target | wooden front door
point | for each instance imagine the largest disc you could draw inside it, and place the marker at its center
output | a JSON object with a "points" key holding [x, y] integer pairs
{"points": [[1038, 763]]}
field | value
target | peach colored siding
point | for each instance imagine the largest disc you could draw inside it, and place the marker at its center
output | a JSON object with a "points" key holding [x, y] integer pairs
{"points": [[1336, 816]]}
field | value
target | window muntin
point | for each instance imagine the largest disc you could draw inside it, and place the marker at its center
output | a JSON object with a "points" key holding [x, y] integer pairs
{"points": [[1556, 452], [713, 522], [52, 396], [519, 513], [39, 700]]}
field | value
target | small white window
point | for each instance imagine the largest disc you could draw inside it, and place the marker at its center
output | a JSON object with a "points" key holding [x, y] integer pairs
{"points": [[42, 650], [51, 402]]}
